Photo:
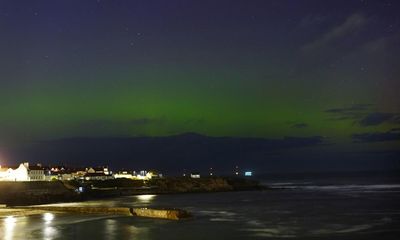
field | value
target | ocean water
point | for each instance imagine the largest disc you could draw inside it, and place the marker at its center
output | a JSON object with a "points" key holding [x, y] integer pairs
{"points": [[302, 206]]}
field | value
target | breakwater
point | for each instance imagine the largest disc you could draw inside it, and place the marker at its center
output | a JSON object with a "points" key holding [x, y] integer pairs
{"points": [[171, 214]]}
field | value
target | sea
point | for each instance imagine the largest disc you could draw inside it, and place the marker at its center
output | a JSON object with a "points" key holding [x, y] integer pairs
{"points": [[296, 206]]}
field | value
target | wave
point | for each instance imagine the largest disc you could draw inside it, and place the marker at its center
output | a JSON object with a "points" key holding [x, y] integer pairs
{"points": [[279, 232], [288, 183], [222, 220], [359, 187]]}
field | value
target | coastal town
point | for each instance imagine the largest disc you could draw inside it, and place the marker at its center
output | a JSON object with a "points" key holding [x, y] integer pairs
{"points": [[39, 172], [32, 184]]}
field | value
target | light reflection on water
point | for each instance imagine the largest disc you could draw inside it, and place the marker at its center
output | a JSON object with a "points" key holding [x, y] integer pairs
{"points": [[48, 217], [110, 227], [49, 226], [146, 198], [50, 232], [9, 223]]}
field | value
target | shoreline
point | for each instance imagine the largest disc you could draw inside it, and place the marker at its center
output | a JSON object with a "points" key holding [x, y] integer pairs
{"points": [[20, 212], [39, 193]]}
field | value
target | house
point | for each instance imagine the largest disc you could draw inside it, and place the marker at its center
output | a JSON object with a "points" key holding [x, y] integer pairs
{"points": [[57, 168], [78, 173], [154, 174], [97, 176], [19, 173], [124, 174], [98, 170], [36, 173], [66, 175], [195, 175], [4, 173], [52, 176], [97, 173]]}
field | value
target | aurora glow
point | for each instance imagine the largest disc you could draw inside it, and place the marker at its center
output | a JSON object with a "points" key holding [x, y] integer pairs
{"points": [[265, 69]]}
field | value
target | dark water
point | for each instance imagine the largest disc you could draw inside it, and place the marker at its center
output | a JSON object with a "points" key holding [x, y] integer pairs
{"points": [[329, 206]]}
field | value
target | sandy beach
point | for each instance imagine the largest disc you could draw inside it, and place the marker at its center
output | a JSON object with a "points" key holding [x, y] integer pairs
{"points": [[5, 212]]}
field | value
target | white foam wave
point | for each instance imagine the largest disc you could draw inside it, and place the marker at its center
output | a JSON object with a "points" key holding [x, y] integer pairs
{"points": [[222, 219], [272, 232], [355, 187], [356, 228]]}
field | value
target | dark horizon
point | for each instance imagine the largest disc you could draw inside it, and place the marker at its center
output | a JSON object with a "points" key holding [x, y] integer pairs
{"points": [[196, 152]]}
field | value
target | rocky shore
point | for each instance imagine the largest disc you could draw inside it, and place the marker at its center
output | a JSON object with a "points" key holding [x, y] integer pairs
{"points": [[32, 193]]}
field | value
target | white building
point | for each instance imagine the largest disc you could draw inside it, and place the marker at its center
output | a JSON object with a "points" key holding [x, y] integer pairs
{"points": [[23, 172], [17, 174]]}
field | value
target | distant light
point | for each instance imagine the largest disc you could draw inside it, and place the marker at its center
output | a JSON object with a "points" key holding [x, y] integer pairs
{"points": [[80, 189], [48, 217], [248, 174], [195, 175]]}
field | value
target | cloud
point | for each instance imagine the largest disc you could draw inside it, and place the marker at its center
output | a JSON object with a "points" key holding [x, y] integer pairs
{"points": [[392, 135], [303, 141], [382, 44], [353, 23], [396, 119], [353, 112], [376, 118], [352, 108], [300, 125], [362, 115]]}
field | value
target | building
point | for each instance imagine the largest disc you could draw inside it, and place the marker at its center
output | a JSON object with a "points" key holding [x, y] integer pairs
{"points": [[19, 173], [77, 173], [195, 175], [23, 172], [124, 174], [98, 170], [97, 176], [36, 173], [97, 173], [141, 175]]}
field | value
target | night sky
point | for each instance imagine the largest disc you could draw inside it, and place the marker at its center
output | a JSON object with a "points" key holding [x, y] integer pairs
{"points": [[269, 85]]}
